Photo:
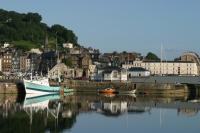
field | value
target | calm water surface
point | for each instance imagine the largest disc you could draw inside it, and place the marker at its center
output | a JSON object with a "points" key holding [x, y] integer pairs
{"points": [[93, 113]]}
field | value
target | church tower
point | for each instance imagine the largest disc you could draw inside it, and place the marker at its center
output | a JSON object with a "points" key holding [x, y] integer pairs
{"points": [[46, 45]]}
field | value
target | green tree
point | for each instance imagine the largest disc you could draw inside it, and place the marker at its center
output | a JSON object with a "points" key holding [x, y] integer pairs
{"points": [[28, 27], [124, 52], [176, 59], [69, 61], [151, 56], [115, 53]]}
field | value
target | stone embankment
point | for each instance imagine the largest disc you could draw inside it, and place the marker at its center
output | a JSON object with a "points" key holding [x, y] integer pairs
{"points": [[87, 86], [156, 88], [8, 88]]}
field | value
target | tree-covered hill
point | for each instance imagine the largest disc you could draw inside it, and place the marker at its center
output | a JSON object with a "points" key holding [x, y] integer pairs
{"points": [[26, 31]]}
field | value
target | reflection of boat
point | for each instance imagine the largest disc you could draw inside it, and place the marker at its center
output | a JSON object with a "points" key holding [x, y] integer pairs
{"points": [[39, 100], [107, 94], [39, 85], [143, 92], [107, 90], [33, 104], [67, 89], [127, 92]]}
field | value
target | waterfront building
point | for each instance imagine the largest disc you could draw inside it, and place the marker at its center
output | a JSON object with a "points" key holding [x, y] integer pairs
{"points": [[7, 62], [28, 62], [16, 60], [48, 61], [34, 59], [138, 71], [23, 62], [110, 73], [165, 67], [1, 58], [191, 56], [94, 57]]}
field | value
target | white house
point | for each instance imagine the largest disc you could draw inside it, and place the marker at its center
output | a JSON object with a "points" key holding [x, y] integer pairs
{"points": [[5, 45], [110, 73], [67, 45], [138, 71]]}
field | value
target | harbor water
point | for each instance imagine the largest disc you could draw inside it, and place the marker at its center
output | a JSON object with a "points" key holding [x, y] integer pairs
{"points": [[97, 113]]}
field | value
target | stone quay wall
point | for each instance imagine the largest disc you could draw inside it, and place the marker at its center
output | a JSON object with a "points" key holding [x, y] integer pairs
{"points": [[8, 88], [154, 88], [88, 86]]}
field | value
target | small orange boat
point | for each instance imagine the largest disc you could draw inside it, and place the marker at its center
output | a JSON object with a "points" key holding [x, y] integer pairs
{"points": [[107, 90]]}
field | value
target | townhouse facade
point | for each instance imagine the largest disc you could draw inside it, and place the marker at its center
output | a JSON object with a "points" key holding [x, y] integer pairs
{"points": [[7, 63], [23, 62], [16, 61]]}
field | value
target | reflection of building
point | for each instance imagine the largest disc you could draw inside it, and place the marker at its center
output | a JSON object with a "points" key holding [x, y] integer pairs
{"points": [[135, 109], [115, 108], [110, 108], [188, 112]]}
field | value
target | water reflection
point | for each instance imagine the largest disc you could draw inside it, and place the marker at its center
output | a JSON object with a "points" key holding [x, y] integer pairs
{"points": [[59, 113]]}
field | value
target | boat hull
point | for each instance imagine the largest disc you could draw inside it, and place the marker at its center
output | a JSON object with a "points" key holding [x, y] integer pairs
{"points": [[36, 87], [127, 92], [68, 90], [107, 91]]}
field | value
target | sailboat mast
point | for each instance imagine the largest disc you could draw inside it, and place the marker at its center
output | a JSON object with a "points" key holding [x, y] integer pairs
{"points": [[161, 60]]}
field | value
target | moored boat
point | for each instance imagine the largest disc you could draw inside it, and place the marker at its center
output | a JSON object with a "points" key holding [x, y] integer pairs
{"points": [[143, 92], [67, 89], [107, 90], [39, 85], [127, 92]]}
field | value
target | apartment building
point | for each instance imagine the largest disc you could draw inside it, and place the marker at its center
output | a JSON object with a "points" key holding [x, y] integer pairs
{"points": [[166, 67]]}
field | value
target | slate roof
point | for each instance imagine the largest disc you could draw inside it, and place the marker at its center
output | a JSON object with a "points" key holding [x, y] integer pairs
{"points": [[108, 71], [151, 61], [137, 69], [112, 68], [49, 54]]}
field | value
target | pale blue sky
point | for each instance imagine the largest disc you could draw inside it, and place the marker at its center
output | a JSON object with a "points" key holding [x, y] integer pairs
{"points": [[123, 25]]}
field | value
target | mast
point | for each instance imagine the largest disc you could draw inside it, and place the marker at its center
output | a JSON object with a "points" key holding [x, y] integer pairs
{"points": [[31, 64], [161, 60], [57, 61]]}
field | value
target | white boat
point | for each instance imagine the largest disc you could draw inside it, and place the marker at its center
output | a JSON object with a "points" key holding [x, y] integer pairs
{"points": [[127, 92], [39, 85]]}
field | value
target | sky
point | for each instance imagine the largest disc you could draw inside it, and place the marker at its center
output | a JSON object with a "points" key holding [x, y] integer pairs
{"points": [[140, 26]]}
